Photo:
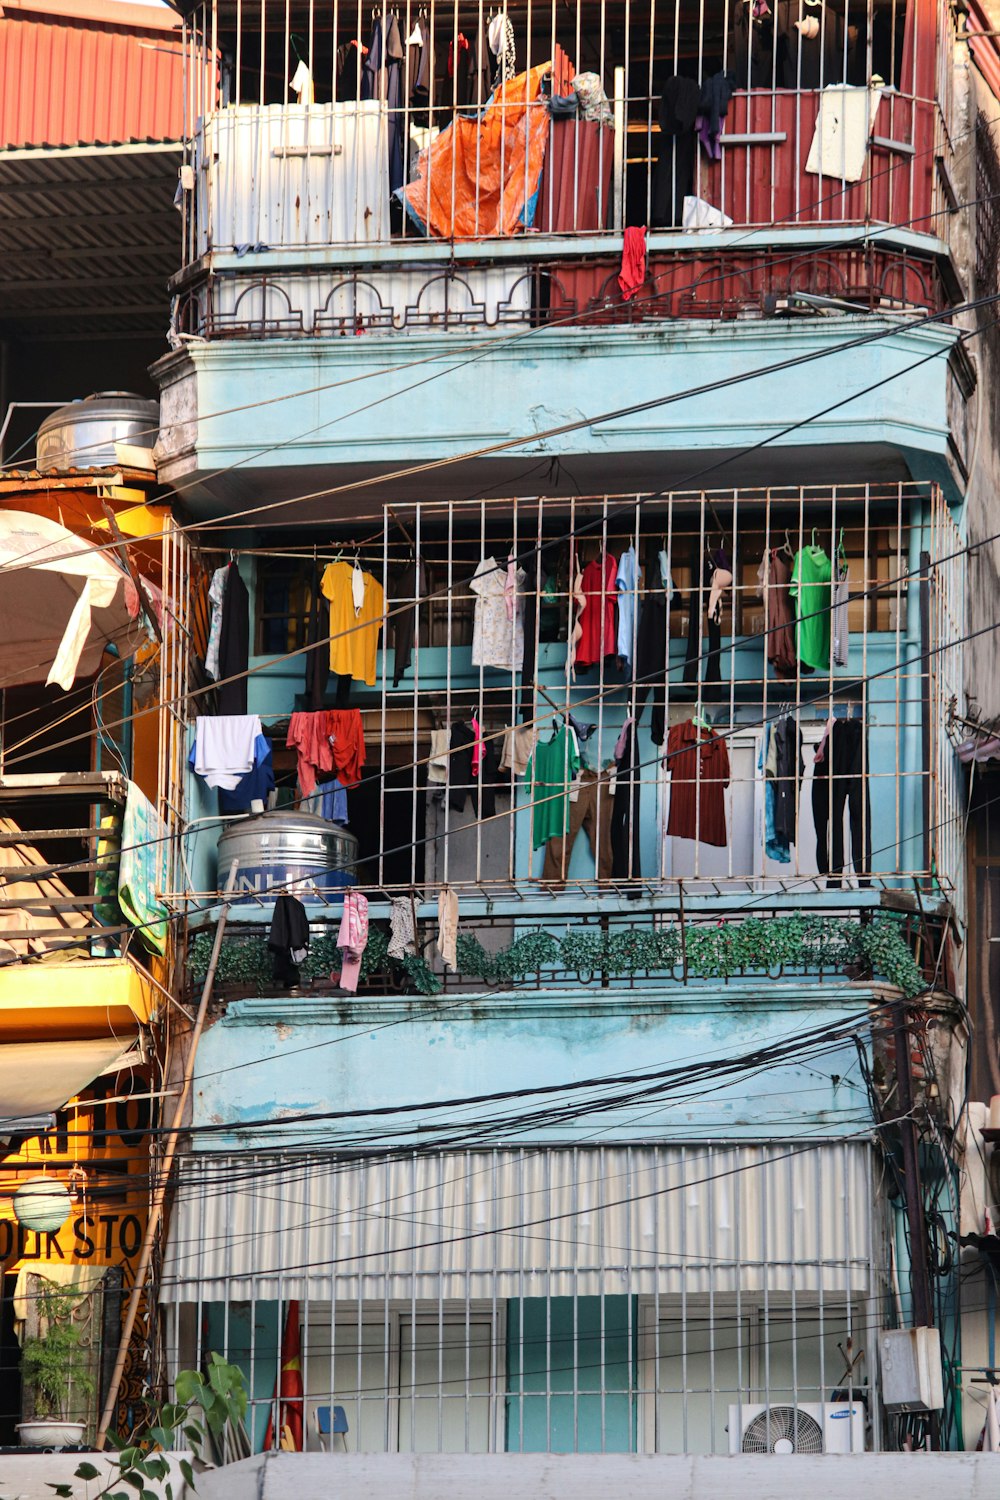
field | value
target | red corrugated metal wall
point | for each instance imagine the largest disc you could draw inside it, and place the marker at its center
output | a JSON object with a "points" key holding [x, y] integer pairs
{"points": [[66, 81]]}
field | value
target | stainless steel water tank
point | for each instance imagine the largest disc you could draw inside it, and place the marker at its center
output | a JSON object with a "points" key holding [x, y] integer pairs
{"points": [[83, 434], [297, 852]]}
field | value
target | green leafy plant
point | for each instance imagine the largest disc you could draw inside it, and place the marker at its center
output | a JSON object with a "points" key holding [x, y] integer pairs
{"points": [[53, 1361], [206, 1403]]}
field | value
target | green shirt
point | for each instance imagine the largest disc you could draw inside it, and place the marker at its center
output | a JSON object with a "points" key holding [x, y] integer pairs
{"points": [[810, 588], [552, 766]]}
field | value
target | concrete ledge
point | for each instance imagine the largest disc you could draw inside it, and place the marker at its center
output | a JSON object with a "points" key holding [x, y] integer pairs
{"points": [[358, 1476]]}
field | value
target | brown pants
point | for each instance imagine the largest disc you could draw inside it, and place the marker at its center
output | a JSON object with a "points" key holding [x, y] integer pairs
{"points": [[592, 811]]}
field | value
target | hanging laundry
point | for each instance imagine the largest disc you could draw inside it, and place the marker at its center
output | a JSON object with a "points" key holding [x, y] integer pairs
{"points": [[480, 177], [477, 745], [500, 35], [381, 78], [437, 763], [789, 768], [288, 940], [676, 151], [216, 595], [318, 657], [626, 863], [599, 587], [301, 84], [496, 640], [840, 782], [447, 938], [633, 271], [810, 589], [577, 605], [256, 786], [469, 776], [225, 747], [774, 575], [716, 573], [510, 586], [781, 761], [352, 940], [651, 660], [353, 633], [713, 106], [553, 766], [698, 763], [328, 801], [332, 740], [402, 928], [518, 743], [839, 622], [402, 625], [628, 582], [591, 810], [234, 644]]}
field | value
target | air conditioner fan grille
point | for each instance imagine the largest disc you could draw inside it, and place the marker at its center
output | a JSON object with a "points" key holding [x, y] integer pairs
{"points": [[782, 1429]]}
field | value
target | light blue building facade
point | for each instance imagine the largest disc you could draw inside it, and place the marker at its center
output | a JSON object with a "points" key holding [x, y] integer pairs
{"points": [[624, 1174]]}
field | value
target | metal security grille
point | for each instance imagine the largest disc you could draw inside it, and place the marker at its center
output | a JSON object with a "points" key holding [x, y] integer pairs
{"points": [[697, 651], [646, 1298]]}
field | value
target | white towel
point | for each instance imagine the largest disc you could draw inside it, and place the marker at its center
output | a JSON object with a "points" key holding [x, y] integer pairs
{"points": [[845, 121], [224, 747], [437, 764]]}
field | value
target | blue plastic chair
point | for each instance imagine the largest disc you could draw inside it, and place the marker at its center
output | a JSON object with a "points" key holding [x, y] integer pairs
{"points": [[326, 1429]]}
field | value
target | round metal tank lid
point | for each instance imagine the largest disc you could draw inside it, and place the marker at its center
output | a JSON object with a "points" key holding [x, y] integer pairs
{"points": [[83, 434]]}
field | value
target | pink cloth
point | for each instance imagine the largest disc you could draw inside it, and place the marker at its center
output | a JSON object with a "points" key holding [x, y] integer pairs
{"points": [[510, 587], [633, 271], [352, 939], [477, 746]]}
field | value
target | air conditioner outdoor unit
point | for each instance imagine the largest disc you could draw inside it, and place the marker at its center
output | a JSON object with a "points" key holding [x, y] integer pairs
{"points": [[809, 1427]]}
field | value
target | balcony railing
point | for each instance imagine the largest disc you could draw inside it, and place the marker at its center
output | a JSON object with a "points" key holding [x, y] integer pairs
{"points": [[314, 128], [821, 717]]}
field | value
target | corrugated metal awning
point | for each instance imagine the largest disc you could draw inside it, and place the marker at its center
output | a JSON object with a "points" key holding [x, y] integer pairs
{"points": [[89, 238], [516, 1223]]}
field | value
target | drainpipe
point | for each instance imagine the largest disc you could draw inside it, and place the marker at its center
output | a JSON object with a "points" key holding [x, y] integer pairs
{"points": [[920, 1281], [924, 587]]}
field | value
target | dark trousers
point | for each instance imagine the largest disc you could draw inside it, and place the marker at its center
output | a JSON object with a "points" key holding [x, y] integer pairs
{"points": [[625, 861], [697, 621], [839, 781]]}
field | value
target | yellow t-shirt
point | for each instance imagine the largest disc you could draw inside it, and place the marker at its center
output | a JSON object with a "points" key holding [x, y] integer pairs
{"points": [[353, 651]]}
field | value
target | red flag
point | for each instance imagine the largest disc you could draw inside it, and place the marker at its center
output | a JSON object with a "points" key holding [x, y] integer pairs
{"points": [[288, 1389]]}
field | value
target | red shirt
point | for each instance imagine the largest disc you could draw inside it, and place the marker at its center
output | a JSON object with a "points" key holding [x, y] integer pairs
{"points": [[597, 617], [699, 774]]}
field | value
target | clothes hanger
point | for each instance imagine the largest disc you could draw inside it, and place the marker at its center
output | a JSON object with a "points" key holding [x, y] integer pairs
{"points": [[701, 720], [788, 545]]}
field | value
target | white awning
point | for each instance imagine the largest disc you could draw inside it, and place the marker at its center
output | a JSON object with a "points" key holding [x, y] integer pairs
{"points": [[515, 1223], [37, 1078]]}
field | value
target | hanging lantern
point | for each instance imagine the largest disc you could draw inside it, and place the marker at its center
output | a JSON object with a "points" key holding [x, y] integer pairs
{"points": [[43, 1204]]}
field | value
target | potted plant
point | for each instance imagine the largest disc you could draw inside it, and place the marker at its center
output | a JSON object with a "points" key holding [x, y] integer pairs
{"points": [[53, 1368]]}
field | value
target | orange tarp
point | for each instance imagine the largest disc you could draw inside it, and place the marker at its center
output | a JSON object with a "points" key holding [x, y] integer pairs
{"points": [[477, 176]]}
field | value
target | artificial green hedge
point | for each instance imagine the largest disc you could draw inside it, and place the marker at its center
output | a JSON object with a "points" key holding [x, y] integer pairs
{"points": [[745, 945]]}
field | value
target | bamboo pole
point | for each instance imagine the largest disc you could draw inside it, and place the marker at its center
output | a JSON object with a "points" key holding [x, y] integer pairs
{"points": [[163, 1180]]}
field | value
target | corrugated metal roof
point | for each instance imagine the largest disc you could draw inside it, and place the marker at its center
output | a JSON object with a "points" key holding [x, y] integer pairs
{"points": [[88, 239], [66, 78]]}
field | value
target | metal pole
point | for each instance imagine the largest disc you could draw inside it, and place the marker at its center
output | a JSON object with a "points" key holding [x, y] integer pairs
{"points": [[925, 707], [923, 1312], [156, 1211]]}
